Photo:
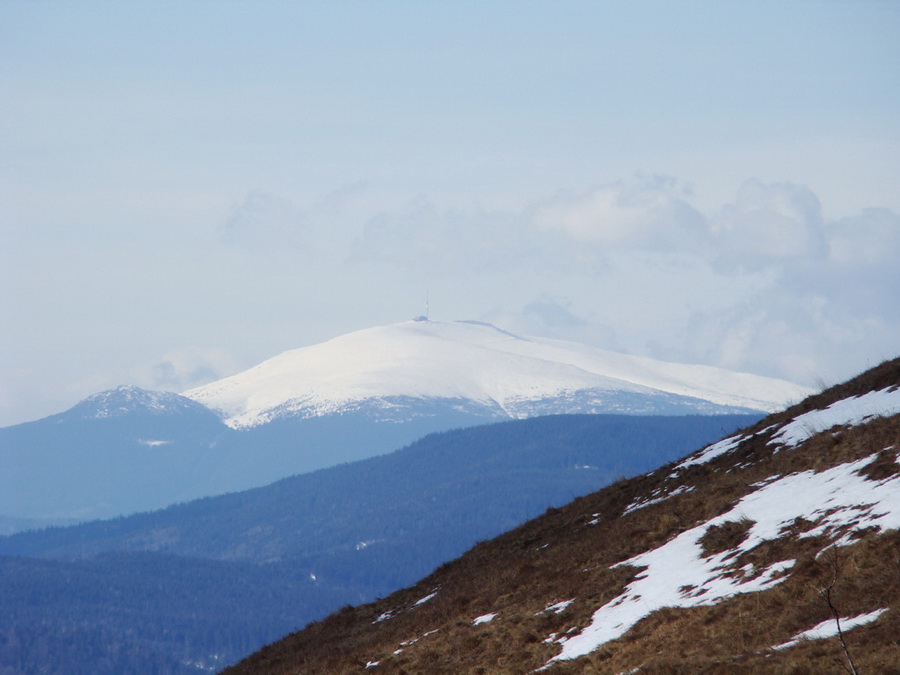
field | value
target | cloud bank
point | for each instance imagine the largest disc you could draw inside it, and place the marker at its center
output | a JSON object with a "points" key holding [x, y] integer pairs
{"points": [[767, 283]]}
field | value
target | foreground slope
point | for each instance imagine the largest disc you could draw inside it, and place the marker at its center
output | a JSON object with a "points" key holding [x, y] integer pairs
{"points": [[744, 557]]}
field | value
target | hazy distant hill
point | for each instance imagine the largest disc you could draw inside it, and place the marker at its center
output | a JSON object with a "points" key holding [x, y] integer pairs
{"points": [[745, 557], [124, 594], [115, 452]]}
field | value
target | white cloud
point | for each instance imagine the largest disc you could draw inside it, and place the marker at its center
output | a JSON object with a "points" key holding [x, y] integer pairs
{"points": [[182, 368], [646, 212], [266, 223], [556, 318], [871, 238], [769, 224], [830, 310], [767, 284], [427, 238]]}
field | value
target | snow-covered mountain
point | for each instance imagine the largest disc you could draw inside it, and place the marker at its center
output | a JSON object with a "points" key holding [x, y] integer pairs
{"points": [[415, 368], [128, 400]]}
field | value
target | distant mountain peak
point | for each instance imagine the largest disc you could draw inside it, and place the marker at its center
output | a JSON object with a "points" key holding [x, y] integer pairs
{"points": [[129, 399], [475, 363]]}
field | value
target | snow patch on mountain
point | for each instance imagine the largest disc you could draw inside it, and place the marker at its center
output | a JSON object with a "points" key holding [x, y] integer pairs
{"points": [[476, 364], [850, 411], [656, 497], [430, 596], [839, 501], [710, 452], [846, 412], [829, 628], [484, 618], [557, 607]]}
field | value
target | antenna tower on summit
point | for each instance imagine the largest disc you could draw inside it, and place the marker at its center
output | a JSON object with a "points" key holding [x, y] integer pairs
{"points": [[423, 317]]}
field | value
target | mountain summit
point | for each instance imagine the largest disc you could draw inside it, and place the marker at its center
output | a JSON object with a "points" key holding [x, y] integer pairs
{"points": [[128, 400], [391, 372]]}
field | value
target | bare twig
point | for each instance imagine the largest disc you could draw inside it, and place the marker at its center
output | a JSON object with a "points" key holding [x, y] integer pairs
{"points": [[826, 593]]}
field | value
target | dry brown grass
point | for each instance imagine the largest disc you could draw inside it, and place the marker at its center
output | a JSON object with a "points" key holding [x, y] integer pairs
{"points": [[721, 538]]}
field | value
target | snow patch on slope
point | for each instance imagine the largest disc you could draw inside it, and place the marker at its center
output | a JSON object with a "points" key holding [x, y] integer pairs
{"points": [[710, 452], [656, 497], [484, 618], [846, 412], [850, 411], [829, 628], [557, 607], [430, 596], [839, 501]]}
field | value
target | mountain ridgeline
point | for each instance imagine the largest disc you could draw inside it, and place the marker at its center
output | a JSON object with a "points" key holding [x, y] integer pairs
{"points": [[773, 550], [359, 395]]}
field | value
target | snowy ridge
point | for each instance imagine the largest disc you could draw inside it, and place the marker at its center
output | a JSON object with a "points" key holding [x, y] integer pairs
{"points": [[127, 399], [475, 362]]}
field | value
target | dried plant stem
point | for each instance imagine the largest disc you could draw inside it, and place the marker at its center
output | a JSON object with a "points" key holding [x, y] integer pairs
{"points": [[849, 666]]}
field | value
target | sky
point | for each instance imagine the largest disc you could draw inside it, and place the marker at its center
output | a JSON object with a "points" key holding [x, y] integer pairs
{"points": [[187, 189]]}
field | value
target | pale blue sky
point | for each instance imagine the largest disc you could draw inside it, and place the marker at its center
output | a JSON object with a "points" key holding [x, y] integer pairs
{"points": [[188, 188]]}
